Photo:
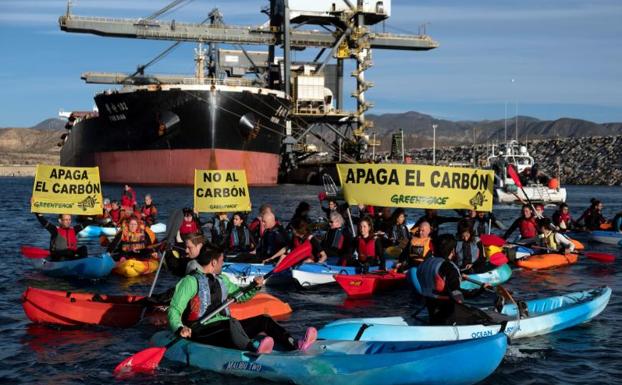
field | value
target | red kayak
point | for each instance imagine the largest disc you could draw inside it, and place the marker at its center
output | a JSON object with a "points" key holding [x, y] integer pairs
{"points": [[364, 285], [67, 308]]}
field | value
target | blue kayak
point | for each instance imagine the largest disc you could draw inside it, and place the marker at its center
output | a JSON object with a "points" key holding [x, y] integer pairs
{"points": [[91, 267], [607, 237], [494, 277], [90, 231], [544, 316], [351, 362]]}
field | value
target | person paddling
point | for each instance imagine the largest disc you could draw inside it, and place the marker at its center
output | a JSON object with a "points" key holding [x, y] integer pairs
{"points": [[440, 281], [562, 218], [368, 246], [202, 291], [418, 248], [301, 234], [552, 240], [149, 211], [469, 256], [132, 241], [63, 238], [526, 224], [338, 242]]}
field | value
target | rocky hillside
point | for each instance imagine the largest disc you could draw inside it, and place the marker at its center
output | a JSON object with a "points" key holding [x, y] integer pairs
{"points": [[418, 129], [27, 146]]}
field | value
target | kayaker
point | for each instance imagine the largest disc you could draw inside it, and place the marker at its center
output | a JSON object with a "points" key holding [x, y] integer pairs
{"points": [[338, 242], [240, 239], [552, 240], [128, 197], [562, 218], [418, 248], [399, 234], [616, 222], [220, 229], [526, 224], [115, 213], [189, 225], [132, 241], [301, 212], [273, 241], [469, 256], [63, 238], [593, 217], [256, 227], [332, 205], [385, 221], [431, 216], [201, 292], [301, 233], [440, 281], [482, 221], [148, 211], [368, 246]]}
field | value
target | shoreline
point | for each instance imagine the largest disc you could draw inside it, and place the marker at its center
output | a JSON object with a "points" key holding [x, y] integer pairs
{"points": [[18, 170]]}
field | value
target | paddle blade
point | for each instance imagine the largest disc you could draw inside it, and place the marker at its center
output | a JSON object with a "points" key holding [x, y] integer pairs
{"points": [[491, 240], [296, 256], [34, 252], [514, 175], [498, 259], [172, 225], [145, 361], [601, 257]]}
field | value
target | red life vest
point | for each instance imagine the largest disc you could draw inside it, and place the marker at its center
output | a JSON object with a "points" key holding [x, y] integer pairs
{"points": [[188, 227], [115, 215], [366, 247], [66, 239], [528, 228]]}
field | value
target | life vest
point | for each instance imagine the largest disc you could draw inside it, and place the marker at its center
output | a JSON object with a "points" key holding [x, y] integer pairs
{"points": [[335, 238], [549, 241], [431, 282], [419, 247], [399, 232], [149, 212], [528, 228], [220, 227], [204, 302], [272, 241], [133, 241], [234, 237], [460, 254], [66, 239], [366, 247], [115, 215], [188, 227]]}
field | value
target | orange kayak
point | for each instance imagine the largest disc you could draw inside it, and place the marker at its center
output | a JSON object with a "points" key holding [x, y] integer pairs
{"points": [[547, 261], [67, 308]]}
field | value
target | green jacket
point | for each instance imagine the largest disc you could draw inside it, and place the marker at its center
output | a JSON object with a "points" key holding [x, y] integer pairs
{"points": [[187, 288]]}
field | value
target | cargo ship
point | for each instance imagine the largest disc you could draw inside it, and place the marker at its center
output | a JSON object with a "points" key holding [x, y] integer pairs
{"points": [[161, 131]]}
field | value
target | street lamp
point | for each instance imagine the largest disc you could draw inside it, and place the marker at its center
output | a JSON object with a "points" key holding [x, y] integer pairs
{"points": [[434, 143]]}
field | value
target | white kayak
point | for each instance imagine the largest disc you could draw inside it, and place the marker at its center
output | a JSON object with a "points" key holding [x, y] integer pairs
{"points": [[546, 315], [112, 231]]}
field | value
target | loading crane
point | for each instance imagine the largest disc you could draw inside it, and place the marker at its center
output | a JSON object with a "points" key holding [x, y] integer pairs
{"points": [[346, 35]]}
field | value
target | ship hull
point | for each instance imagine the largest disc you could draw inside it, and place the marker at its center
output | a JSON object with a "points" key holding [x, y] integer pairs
{"points": [[160, 136]]}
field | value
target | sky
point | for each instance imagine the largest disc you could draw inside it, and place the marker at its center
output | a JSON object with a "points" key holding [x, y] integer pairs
{"points": [[543, 58]]}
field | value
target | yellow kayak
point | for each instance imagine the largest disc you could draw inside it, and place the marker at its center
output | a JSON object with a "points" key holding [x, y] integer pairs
{"points": [[135, 267]]}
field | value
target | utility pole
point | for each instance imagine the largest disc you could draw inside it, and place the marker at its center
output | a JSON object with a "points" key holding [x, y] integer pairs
{"points": [[434, 143]]}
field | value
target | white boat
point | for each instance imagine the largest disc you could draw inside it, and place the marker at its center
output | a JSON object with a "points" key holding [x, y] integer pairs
{"points": [[506, 190]]}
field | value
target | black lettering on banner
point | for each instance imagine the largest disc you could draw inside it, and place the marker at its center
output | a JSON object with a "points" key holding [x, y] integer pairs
{"points": [[433, 178]]}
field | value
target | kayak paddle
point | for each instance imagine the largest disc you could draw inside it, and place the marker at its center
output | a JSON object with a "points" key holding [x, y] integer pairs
{"points": [[148, 359], [34, 252]]}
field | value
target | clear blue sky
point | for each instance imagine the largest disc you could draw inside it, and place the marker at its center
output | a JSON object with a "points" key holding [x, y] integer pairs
{"points": [[565, 57]]}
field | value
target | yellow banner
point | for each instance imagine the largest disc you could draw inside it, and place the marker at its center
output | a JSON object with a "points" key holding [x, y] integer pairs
{"points": [[67, 190], [221, 191], [417, 186]]}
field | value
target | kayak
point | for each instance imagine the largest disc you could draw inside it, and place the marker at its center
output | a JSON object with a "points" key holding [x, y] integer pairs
{"points": [[494, 277], [112, 231], [545, 315], [242, 274], [91, 267], [350, 362], [608, 237], [68, 308], [133, 267], [364, 285], [90, 231], [547, 261], [313, 274]]}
